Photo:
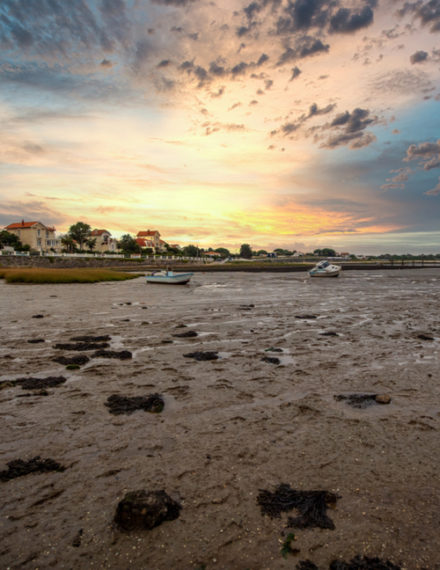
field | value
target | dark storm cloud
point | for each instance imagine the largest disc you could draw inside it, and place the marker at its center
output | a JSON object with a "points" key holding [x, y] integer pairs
{"points": [[304, 47], [345, 21], [419, 57], [427, 12], [216, 69]]}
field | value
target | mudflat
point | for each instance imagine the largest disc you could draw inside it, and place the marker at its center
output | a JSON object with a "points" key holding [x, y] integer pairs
{"points": [[310, 385]]}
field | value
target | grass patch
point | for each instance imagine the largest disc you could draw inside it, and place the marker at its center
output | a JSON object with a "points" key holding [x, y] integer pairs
{"points": [[43, 275]]}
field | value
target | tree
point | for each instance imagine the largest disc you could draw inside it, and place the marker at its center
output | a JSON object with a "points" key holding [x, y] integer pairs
{"points": [[91, 243], [11, 240], [68, 243], [326, 252], [261, 252], [223, 251], [128, 244], [80, 232], [246, 251], [190, 251]]}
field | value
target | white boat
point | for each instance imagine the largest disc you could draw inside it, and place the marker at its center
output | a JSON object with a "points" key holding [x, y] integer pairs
{"points": [[169, 277], [325, 269]]}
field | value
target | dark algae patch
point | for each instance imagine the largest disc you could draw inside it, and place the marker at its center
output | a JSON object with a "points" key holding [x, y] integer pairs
{"points": [[310, 505], [127, 405], [200, 355], [19, 467], [146, 510], [121, 354]]}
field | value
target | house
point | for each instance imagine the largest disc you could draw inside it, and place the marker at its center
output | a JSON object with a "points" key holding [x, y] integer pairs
{"points": [[104, 241], [213, 254], [152, 236], [35, 234], [143, 242]]}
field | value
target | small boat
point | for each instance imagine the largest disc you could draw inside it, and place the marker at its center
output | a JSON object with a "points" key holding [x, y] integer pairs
{"points": [[169, 277], [325, 269]]}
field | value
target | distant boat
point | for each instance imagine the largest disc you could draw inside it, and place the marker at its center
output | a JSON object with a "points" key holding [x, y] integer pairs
{"points": [[325, 269], [169, 277]]}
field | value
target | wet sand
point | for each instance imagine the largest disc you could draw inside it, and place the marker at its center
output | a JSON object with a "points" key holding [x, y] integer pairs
{"points": [[230, 427]]}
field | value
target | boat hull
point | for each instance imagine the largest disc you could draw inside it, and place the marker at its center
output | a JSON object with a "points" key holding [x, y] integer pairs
{"points": [[179, 279], [325, 274]]}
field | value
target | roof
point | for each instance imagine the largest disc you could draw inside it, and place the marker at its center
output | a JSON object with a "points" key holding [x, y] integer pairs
{"points": [[99, 232], [24, 225], [147, 233], [144, 242]]}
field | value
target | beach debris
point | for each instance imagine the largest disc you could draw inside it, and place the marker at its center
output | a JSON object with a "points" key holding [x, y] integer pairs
{"points": [[186, 334], [425, 336], [76, 542], [81, 346], [362, 401], [200, 355], [271, 359], [146, 510], [363, 563], [36, 340], [87, 338], [78, 360], [38, 316], [306, 317], [121, 354], [311, 506], [273, 349], [287, 546], [117, 404], [34, 383], [19, 467]]}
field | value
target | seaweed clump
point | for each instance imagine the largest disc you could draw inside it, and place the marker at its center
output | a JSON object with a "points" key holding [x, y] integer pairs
{"points": [[34, 383], [81, 345], [311, 506], [146, 510], [362, 401], [87, 338], [78, 360], [19, 468], [187, 334], [271, 359], [363, 563], [125, 405]]}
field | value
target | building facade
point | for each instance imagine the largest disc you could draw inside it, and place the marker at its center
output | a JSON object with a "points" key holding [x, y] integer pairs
{"points": [[39, 237], [104, 241]]}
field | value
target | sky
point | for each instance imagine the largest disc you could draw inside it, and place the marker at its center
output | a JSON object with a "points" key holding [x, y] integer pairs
{"points": [[298, 124]]}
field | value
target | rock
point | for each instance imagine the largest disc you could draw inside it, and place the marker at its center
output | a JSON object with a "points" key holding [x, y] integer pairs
{"points": [[18, 467], [117, 404], [187, 334], [78, 360], [273, 349], [363, 563], [359, 401], [329, 333], [424, 336], [39, 383], [271, 359], [383, 398], [38, 316], [146, 510], [306, 317], [306, 565], [82, 346], [76, 542], [122, 354], [36, 340], [86, 338], [199, 355]]}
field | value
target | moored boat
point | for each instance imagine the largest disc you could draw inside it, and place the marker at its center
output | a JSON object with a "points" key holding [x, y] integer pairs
{"points": [[168, 277], [325, 269]]}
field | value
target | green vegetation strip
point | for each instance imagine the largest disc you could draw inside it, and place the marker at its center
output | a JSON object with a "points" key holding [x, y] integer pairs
{"points": [[40, 275]]}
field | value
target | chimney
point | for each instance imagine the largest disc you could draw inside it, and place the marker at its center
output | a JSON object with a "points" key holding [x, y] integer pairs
{"points": [[22, 222]]}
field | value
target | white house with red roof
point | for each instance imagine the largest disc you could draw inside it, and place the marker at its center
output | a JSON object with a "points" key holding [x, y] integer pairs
{"points": [[151, 238], [35, 234], [104, 241]]}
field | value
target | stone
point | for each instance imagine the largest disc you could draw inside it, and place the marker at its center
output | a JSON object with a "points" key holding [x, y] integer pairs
{"points": [[146, 510], [383, 398]]}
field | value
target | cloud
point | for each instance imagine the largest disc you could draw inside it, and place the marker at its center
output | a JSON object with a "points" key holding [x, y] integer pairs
{"points": [[177, 3], [292, 126], [427, 12], [418, 57], [295, 73], [427, 153], [397, 182], [304, 47], [434, 191], [345, 21], [350, 129]]}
